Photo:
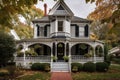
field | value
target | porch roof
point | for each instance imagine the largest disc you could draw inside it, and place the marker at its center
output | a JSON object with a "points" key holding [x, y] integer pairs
{"points": [[35, 40], [85, 40], [58, 39]]}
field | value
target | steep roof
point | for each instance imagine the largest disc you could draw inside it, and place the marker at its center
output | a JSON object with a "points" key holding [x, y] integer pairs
{"points": [[74, 19], [78, 19], [60, 8]]}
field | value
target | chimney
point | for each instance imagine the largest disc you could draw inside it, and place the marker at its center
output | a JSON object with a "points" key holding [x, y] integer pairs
{"points": [[45, 9]]}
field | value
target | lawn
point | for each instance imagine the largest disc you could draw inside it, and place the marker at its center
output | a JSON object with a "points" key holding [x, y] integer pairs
{"points": [[35, 76], [112, 74]]}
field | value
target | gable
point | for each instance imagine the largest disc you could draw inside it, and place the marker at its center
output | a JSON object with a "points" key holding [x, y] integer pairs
{"points": [[61, 8]]}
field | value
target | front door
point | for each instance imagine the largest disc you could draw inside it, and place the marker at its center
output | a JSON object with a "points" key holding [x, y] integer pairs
{"points": [[60, 51]]}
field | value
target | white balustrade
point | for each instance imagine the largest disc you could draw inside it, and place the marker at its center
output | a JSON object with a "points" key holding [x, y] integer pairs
{"points": [[34, 59], [60, 34], [79, 58]]}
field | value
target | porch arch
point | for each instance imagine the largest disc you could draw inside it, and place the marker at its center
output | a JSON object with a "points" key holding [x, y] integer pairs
{"points": [[44, 43], [81, 49], [99, 51], [41, 49], [88, 43]]}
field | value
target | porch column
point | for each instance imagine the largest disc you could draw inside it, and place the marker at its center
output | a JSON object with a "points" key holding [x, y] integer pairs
{"points": [[56, 49], [94, 55], [51, 49], [51, 56], [103, 53], [65, 49], [70, 57], [24, 56]]}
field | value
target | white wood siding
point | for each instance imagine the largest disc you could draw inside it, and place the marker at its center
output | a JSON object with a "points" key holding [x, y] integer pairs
{"points": [[72, 31], [52, 30], [67, 26], [48, 31], [35, 31]]}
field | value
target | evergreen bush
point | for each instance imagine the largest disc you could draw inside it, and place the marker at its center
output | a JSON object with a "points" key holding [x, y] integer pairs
{"points": [[102, 66], [89, 67], [41, 66], [36, 66], [76, 67]]}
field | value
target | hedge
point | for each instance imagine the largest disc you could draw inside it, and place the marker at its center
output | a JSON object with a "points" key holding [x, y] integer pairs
{"points": [[41, 66], [89, 67], [102, 66]]}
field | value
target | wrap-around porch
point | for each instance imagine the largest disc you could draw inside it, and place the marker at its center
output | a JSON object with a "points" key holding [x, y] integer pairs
{"points": [[73, 51]]}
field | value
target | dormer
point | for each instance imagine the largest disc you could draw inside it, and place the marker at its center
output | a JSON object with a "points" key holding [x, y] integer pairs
{"points": [[60, 18]]}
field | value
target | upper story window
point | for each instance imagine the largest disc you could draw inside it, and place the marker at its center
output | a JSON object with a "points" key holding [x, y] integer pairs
{"points": [[60, 25]]}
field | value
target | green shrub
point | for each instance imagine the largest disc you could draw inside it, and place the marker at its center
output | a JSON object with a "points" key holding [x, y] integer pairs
{"points": [[41, 66], [46, 67], [76, 67], [35, 66], [102, 66], [89, 67]]}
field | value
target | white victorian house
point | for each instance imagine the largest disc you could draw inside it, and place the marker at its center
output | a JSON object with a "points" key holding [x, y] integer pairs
{"points": [[59, 33]]}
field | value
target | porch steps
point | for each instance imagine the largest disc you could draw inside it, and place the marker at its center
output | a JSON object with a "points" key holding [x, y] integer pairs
{"points": [[60, 67]]}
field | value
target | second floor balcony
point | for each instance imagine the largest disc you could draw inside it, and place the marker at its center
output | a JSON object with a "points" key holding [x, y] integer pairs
{"points": [[60, 35]]}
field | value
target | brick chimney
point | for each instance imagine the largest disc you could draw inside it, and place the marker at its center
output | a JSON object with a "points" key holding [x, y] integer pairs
{"points": [[45, 9]]}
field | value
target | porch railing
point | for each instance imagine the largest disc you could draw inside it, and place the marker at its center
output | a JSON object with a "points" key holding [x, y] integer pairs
{"points": [[34, 59], [74, 58], [79, 58]]}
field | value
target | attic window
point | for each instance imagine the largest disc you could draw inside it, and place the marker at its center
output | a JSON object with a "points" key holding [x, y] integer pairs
{"points": [[60, 8]]}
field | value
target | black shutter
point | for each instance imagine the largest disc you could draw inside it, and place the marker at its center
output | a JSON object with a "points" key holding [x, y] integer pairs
{"points": [[45, 31], [38, 30], [76, 30], [86, 31]]}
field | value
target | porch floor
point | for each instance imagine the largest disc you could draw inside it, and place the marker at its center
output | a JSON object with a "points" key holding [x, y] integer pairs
{"points": [[61, 76]]}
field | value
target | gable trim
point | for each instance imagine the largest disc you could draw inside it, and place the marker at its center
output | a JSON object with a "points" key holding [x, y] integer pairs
{"points": [[63, 4]]}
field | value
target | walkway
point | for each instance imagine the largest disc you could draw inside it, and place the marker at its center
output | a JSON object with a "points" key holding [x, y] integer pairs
{"points": [[61, 76]]}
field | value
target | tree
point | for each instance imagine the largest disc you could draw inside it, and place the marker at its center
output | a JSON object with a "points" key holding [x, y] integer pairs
{"points": [[24, 31], [32, 13], [107, 12], [7, 48], [11, 9]]}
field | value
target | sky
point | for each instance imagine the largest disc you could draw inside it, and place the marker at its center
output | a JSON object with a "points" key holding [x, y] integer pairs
{"points": [[79, 7]]}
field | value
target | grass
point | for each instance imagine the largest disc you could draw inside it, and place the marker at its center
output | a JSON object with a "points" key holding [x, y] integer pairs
{"points": [[112, 74], [35, 76]]}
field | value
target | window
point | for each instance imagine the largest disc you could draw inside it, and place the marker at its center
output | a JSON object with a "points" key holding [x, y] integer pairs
{"points": [[38, 30], [60, 8], [60, 25]]}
